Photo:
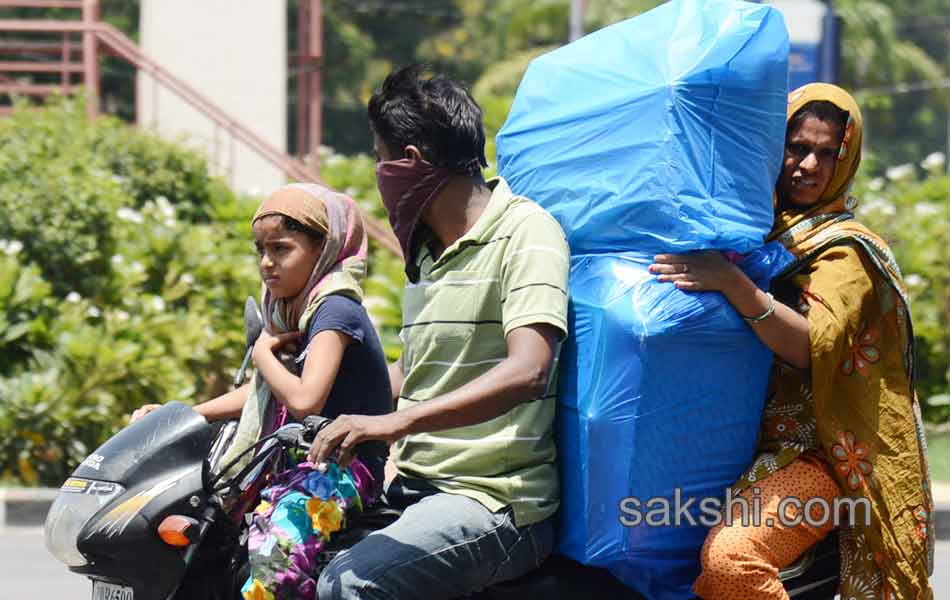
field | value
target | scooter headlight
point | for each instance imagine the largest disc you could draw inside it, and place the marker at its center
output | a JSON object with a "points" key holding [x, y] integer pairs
{"points": [[78, 501]]}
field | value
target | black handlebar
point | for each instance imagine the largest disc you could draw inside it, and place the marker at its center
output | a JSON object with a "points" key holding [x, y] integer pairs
{"points": [[313, 425], [291, 435]]}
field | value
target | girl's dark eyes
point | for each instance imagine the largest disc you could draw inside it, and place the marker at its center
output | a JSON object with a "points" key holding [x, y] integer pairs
{"points": [[275, 248]]}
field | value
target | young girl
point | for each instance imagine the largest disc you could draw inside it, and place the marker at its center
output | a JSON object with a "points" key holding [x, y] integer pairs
{"points": [[842, 418], [312, 251]]}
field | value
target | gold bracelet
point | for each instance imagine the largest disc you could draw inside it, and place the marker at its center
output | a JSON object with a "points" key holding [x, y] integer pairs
{"points": [[768, 311]]}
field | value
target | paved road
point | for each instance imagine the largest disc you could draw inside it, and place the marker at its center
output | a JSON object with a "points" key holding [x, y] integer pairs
{"points": [[28, 572]]}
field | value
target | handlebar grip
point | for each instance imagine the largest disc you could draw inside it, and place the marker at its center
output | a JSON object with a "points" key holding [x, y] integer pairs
{"points": [[312, 426]]}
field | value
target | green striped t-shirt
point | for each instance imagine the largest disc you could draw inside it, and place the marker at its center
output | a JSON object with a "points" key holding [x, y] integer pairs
{"points": [[510, 270]]}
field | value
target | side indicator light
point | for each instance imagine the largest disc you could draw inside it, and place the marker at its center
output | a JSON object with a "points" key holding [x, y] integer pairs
{"points": [[177, 530]]}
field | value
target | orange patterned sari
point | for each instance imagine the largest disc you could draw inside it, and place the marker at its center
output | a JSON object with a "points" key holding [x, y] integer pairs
{"points": [[856, 406]]}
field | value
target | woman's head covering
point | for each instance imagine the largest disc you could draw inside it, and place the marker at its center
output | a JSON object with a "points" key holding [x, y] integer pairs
{"points": [[836, 197], [342, 263]]}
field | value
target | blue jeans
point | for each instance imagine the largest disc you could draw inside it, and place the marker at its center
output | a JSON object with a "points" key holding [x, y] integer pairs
{"points": [[443, 546]]}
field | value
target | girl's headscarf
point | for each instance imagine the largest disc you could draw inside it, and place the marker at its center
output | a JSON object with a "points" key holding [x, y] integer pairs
{"points": [[342, 263], [339, 270], [836, 197]]}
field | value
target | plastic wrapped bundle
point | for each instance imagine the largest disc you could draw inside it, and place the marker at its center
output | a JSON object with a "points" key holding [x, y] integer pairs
{"points": [[661, 133], [660, 390]]}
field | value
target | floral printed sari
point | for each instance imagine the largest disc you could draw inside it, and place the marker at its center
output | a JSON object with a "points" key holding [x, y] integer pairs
{"points": [[296, 519], [855, 408]]}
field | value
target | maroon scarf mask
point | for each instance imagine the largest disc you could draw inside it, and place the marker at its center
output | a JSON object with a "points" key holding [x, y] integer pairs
{"points": [[408, 186]]}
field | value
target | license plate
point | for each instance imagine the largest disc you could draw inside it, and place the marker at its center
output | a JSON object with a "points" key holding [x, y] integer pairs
{"points": [[109, 591]]}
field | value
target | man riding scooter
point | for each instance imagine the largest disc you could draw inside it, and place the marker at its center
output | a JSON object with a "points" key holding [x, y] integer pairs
{"points": [[483, 314]]}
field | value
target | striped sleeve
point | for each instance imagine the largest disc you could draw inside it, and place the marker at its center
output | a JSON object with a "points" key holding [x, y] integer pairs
{"points": [[534, 275]]}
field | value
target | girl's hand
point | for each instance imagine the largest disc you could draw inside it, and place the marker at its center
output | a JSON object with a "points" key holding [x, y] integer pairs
{"points": [[141, 412], [705, 271], [268, 343]]}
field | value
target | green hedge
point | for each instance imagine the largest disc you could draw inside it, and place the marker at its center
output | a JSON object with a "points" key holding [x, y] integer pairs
{"points": [[123, 267]]}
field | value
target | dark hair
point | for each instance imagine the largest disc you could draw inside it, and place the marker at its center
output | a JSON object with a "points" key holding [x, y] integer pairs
{"points": [[437, 115], [823, 111], [291, 224]]}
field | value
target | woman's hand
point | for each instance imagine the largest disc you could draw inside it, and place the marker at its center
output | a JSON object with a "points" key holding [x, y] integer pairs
{"points": [[779, 327], [141, 412], [707, 271], [268, 344]]}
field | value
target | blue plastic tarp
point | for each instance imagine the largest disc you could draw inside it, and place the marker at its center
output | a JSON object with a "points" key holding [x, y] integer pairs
{"points": [[660, 390], [660, 133], [663, 133]]}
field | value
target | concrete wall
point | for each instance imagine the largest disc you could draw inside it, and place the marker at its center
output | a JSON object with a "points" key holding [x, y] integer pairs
{"points": [[235, 53]]}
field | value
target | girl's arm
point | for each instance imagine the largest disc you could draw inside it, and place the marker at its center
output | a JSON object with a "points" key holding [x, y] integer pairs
{"points": [[305, 395], [785, 332], [225, 406]]}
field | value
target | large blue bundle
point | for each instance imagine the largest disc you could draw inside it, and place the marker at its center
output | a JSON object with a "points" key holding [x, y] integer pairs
{"points": [[660, 390], [660, 133]]}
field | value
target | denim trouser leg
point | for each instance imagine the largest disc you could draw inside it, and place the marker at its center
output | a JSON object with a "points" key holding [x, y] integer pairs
{"points": [[443, 546]]}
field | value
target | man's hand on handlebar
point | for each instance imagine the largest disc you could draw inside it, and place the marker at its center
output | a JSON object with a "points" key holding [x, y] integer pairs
{"points": [[347, 431]]}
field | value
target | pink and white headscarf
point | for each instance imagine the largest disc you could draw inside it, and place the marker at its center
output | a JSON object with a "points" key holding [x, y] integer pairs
{"points": [[342, 264]]}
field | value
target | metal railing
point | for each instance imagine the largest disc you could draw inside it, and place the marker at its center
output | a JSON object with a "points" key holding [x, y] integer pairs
{"points": [[95, 33]]}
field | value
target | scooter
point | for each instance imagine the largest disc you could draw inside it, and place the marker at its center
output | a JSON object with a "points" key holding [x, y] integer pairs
{"points": [[152, 514]]}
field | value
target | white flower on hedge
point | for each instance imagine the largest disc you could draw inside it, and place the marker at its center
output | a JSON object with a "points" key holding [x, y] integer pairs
{"points": [[137, 267], [165, 207], [94, 312], [117, 259], [12, 247], [170, 222], [158, 305], [332, 158], [926, 209], [876, 184], [900, 172], [121, 315], [127, 214], [876, 203], [934, 161], [73, 297], [188, 278], [913, 280]]}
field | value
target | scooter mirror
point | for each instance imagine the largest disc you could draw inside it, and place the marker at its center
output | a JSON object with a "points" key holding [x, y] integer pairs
{"points": [[253, 325], [253, 322]]}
